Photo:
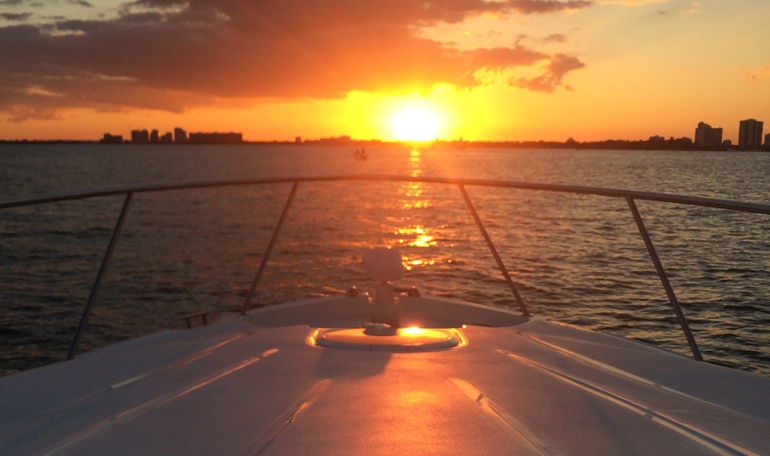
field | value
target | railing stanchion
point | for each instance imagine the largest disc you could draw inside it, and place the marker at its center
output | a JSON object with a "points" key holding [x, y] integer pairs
{"points": [[269, 251], [664, 279], [100, 275], [492, 248]]}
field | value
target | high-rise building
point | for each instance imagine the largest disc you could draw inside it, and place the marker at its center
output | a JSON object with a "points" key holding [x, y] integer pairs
{"points": [[111, 139], [140, 136], [767, 141], [750, 135], [706, 136], [180, 136], [154, 136]]}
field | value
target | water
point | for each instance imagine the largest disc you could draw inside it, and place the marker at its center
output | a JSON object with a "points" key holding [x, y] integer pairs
{"points": [[575, 259]]}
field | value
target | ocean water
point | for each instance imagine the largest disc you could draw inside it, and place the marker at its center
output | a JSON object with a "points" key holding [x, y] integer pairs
{"points": [[575, 259]]}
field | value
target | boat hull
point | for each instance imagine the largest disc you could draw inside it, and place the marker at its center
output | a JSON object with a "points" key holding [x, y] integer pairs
{"points": [[236, 387]]}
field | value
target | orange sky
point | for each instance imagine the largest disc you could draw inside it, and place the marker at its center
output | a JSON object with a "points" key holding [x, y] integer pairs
{"points": [[471, 69]]}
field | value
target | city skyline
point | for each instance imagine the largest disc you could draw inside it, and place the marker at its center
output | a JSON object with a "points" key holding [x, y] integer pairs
{"points": [[179, 136], [706, 137], [509, 70]]}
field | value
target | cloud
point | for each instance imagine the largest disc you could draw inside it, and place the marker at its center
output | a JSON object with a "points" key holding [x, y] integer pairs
{"points": [[552, 76], [21, 113], [555, 38], [753, 74], [694, 8], [631, 2], [546, 6], [16, 17], [172, 55], [28, 3]]}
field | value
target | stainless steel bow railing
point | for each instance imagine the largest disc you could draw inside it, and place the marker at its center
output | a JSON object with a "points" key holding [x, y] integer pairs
{"points": [[630, 196]]}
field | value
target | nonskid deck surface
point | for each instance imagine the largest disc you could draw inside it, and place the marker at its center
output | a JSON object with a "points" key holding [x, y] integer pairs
{"points": [[234, 388]]}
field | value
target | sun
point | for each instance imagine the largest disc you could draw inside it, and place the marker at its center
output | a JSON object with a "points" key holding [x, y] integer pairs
{"points": [[415, 124]]}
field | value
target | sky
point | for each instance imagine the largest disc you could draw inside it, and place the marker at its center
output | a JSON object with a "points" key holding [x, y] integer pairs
{"points": [[496, 70]]}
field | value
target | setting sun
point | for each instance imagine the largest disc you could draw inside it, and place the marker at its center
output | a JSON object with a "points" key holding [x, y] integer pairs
{"points": [[415, 124]]}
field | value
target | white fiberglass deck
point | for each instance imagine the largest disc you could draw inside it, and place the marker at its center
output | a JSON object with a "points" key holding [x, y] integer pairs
{"points": [[239, 388]]}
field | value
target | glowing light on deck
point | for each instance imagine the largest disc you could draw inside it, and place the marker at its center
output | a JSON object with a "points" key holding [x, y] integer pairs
{"points": [[411, 331]]}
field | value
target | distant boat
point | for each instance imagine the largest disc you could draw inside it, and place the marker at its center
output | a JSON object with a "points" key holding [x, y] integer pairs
{"points": [[360, 154]]}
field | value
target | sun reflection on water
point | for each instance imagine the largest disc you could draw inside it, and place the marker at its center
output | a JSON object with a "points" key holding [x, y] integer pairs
{"points": [[415, 234]]}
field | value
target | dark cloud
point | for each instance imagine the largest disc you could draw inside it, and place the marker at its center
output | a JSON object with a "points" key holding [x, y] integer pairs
{"points": [[555, 38], [16, 17], [552, 76], [547, 6], [34, 4], [165, 54]]}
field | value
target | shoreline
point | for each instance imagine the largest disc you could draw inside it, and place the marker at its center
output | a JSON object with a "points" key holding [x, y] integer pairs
{"points": [[680, 144]]}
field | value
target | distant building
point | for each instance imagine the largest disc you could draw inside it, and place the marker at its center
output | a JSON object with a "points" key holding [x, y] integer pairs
{"points": [[215, 138], [707, 137], [180, 136], [750, 135], [339, 140], [154, 136], [657, 138], [167, 138], [111, 139], [298, 140], [140, 136], [767, 141]]}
